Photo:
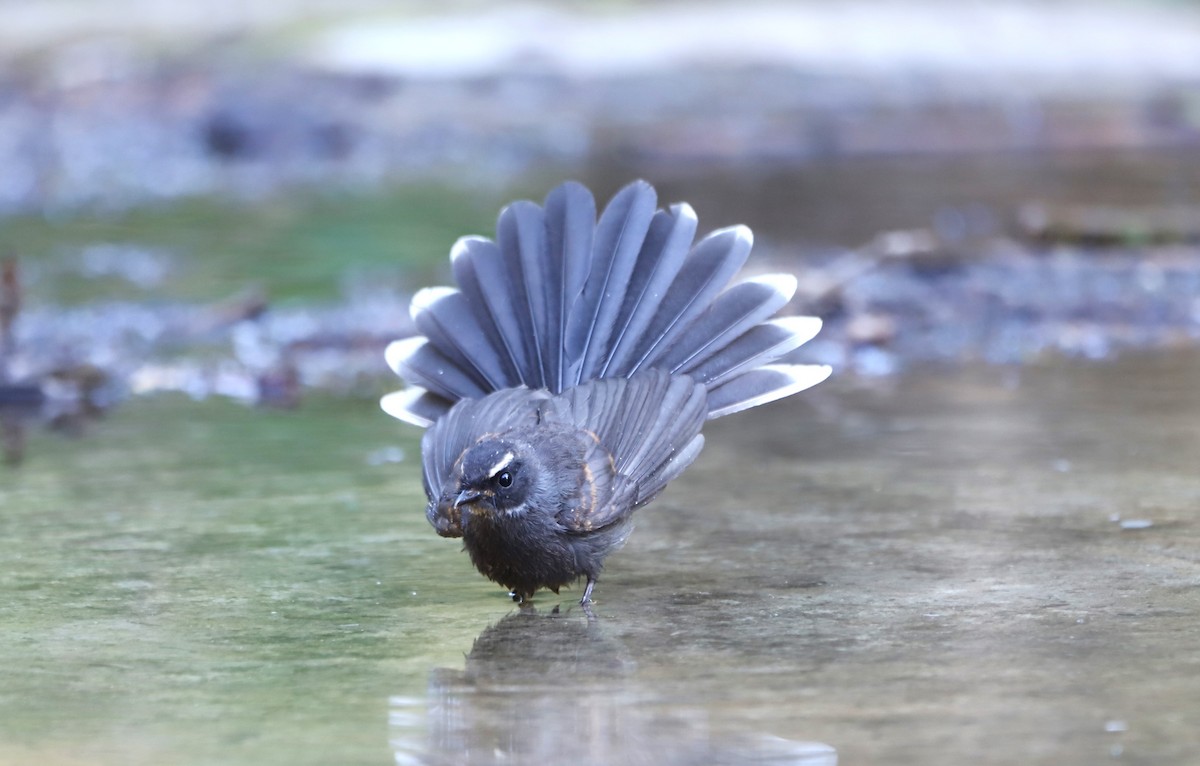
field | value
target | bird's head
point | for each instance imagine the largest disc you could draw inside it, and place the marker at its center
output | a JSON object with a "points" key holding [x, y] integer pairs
{"points": [[495, 477]]}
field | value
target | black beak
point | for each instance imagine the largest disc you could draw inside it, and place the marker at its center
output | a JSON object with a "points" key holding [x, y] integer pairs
{"points": [[466, 496]]}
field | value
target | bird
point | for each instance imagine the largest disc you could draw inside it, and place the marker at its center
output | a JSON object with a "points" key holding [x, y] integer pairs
{"points": [[565, 380]]}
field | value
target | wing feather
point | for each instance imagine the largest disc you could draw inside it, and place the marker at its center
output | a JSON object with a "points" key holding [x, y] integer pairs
{"points": [[648, 426]]}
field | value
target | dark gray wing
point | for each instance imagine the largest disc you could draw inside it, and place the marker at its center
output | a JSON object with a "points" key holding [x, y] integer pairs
{"points": [[465, 424], [646, 431]]}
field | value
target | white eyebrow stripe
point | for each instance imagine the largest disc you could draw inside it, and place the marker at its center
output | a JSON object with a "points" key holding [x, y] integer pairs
{"points": [[501, 465]]}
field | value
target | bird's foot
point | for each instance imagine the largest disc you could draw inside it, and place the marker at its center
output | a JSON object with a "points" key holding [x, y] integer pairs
{"points": [[587, 592], [521, 600]]}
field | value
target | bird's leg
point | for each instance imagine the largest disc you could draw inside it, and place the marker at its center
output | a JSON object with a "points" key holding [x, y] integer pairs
{"points": [[517, 597], [587, 592]]}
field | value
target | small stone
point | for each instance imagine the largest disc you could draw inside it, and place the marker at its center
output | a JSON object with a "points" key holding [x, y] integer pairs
{"points": [[871, 329], [1136, 524]]}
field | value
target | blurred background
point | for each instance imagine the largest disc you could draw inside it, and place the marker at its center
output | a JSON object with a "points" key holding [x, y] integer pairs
{"points": [[991, 180], [212, 216]]}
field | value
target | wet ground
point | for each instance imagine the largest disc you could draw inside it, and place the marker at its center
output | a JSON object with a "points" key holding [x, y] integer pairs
{"points": [[994, 565], [923, 561]]}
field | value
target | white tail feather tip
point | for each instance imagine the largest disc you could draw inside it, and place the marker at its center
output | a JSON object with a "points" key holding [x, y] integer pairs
{"points": [[426, 297], [744, 232], [784, 284], [803, 328], [397, 405], [802, 377], [740, 231], [462, 244], [398, 351]]}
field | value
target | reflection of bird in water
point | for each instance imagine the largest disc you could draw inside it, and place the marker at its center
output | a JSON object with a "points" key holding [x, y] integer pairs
{"points": [[554, 644], [537, 688], [551, 688], [566, 380]]}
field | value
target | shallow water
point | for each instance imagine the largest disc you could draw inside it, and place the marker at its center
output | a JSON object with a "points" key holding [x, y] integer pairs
{"points": [[930, 571]]}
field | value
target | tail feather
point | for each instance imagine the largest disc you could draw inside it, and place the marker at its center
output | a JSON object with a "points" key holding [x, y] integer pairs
{"points": [[521, 234], [415, 405], [570, 226], [479, 263], [561, 298], [418, 360], [444, 317], [733, 313], [619, 235], [663, 255], [709, 267], [760, 345], [763, 385]]}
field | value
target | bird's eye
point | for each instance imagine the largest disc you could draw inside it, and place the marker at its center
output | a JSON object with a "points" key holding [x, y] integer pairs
{"points": [[504, 478]]}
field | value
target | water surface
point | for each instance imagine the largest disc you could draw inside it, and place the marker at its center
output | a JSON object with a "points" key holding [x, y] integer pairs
{"points": [[933, 570]]}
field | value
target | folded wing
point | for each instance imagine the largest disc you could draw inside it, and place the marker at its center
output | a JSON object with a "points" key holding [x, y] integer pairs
{"points": [[646, 431]]}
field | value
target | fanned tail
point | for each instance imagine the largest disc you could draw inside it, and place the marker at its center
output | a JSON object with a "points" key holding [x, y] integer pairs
{"points": [[615, 251], [561, 298], [521, 234], [570, 229], [663, 256]]}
